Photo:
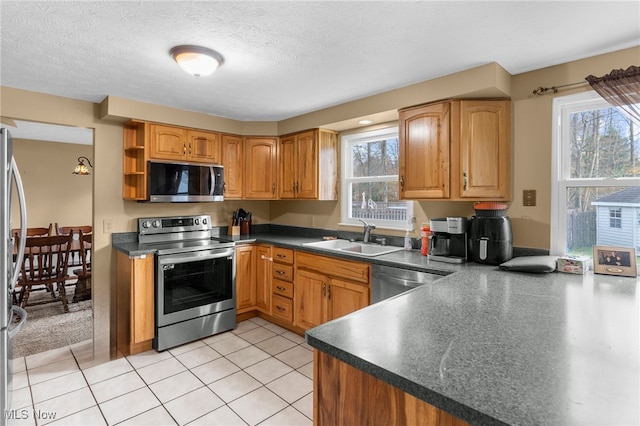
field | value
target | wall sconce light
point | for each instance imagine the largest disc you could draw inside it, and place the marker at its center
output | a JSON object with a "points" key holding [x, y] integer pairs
{"points": [[197, 61], [81, 168]]}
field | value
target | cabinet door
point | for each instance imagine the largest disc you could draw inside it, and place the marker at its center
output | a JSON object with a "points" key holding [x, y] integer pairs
{"points": [[232, 161], [287, 167], [260, 168], [310, 291], [263, 278], [344, 297], [485, 149], [142, 299], [424, 152], [307, 166], [203, 147], [167, 143], [245, 278]]}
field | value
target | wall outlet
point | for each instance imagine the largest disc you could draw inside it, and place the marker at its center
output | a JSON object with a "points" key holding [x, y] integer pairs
{"points": [[107, 226], [529, 197], [310, 220]]}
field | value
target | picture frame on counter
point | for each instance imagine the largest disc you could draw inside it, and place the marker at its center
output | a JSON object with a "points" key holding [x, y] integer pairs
{"points": [[615, 261]]}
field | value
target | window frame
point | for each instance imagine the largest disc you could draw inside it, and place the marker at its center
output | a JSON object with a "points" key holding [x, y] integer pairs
{"points": [[346, 141], [615, 217], [561, 164]]}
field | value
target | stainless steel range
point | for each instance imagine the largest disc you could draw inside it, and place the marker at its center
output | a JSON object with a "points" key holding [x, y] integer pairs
{"points": [[194, 280]]}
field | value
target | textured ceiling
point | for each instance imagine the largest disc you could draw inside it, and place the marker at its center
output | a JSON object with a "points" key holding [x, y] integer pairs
{"points": [[283, 59]]}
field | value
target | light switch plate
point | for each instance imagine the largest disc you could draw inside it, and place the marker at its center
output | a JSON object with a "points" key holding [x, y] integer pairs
{"points": [[529, 197]]}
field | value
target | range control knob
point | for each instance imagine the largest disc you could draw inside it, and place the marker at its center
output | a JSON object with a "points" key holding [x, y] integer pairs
{"points": [[156, 224], [204, 220], [146, 224], [197, 221]]}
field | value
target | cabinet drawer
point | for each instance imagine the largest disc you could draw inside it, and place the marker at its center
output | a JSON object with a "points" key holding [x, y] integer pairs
{"points": [[333, 267], [282, 308], [282, 288], [283, 272], [283, 255]]}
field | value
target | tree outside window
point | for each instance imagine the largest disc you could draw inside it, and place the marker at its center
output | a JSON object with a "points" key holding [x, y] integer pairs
{"points": [[370, 180], [596, 172]]}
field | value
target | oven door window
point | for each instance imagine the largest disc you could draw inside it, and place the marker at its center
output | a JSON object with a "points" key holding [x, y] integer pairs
{"points": [[193, 284]]}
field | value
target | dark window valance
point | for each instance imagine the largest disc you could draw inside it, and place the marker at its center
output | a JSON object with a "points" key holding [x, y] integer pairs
{"points": [[621, 88]]}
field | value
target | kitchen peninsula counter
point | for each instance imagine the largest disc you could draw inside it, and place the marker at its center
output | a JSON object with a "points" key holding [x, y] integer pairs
{"points": [[493, 347]]}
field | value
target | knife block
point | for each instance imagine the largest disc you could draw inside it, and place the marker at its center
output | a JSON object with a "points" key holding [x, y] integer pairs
{"points": [[233, 230]]}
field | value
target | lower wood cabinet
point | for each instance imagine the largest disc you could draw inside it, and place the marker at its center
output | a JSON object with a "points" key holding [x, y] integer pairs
{"points": [[245, 278], [344, 395], [327, 288], [134, 303], [264, 262]]}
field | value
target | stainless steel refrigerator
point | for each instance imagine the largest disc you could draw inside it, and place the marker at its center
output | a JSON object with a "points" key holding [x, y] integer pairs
{"points": [[12, 318]]}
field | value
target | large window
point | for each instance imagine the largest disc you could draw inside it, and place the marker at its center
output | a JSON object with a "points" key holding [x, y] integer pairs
{"points": [[596, 176], [370, 180]]}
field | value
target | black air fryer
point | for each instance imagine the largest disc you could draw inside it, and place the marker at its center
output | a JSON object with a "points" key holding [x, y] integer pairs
{"points": [[490, 235]]}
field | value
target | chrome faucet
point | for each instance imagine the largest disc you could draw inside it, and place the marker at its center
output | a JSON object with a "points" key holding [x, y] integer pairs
{"points": [[367, 230]]}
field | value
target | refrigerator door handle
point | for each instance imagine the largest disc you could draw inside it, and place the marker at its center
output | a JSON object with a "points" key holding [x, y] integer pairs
{"points": [[23, 222], [23, 320]]}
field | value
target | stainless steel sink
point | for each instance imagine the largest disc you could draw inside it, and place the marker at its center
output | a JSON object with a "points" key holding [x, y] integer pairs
{"points": [[362, 249]]}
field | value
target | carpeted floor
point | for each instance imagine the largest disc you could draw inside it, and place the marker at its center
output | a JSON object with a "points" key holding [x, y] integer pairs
{"points": [[48, 327]]}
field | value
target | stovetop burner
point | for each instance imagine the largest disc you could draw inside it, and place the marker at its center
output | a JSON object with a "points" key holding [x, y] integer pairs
{"points": [[180, 234]]}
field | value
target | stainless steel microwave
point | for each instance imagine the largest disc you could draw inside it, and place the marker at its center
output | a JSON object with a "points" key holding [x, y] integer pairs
{"points": [[184, 182]]}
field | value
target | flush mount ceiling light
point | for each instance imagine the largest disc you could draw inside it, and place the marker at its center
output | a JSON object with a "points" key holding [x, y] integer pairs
{"points": [[81, 168], [196, 60], [365, 122]]}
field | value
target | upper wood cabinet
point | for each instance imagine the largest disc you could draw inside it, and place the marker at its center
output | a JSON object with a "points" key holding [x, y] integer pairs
{"points": [[307, 165], [260, 168], [179, 144], [485, 150], [232, 159], [424, 152], [456, 150]]}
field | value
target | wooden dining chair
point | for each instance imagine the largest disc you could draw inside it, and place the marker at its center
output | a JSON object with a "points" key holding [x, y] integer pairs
{"points": [[83, 284], [34, 232], [45, 263], [74, 257], [64, 230]]}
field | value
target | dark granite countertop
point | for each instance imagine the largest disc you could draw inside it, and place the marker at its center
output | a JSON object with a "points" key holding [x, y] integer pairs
{"points": [[492, 347]]}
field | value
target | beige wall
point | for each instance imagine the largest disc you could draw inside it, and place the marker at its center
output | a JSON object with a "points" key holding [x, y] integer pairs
{"points": [[531, 152], [53, 194]]}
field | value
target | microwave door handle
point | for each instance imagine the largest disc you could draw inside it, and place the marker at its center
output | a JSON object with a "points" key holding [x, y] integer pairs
{"points": [[23, 221], [212, 180]]}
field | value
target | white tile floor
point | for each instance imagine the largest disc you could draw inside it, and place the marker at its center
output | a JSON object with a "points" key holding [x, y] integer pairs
{"points": [[257, 374]]}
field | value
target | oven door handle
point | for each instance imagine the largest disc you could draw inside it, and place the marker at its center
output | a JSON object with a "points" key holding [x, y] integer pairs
{"points": [[195, 256]]}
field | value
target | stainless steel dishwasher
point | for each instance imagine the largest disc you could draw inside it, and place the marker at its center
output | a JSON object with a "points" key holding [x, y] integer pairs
{"points": [[388, 281]]}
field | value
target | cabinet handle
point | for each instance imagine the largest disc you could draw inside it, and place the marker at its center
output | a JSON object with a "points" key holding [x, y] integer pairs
{"points": [[280, 272], [465, 180], [402, 183], [224, 187], [324, 289], [184, 148], [280, 308], [279, 287], [273, 188], [189, 148], [263, 257], [281, 256], [329, 292]]}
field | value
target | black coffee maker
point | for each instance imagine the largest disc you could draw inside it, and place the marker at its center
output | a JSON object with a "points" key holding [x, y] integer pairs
{"points": [[491, 238]]}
